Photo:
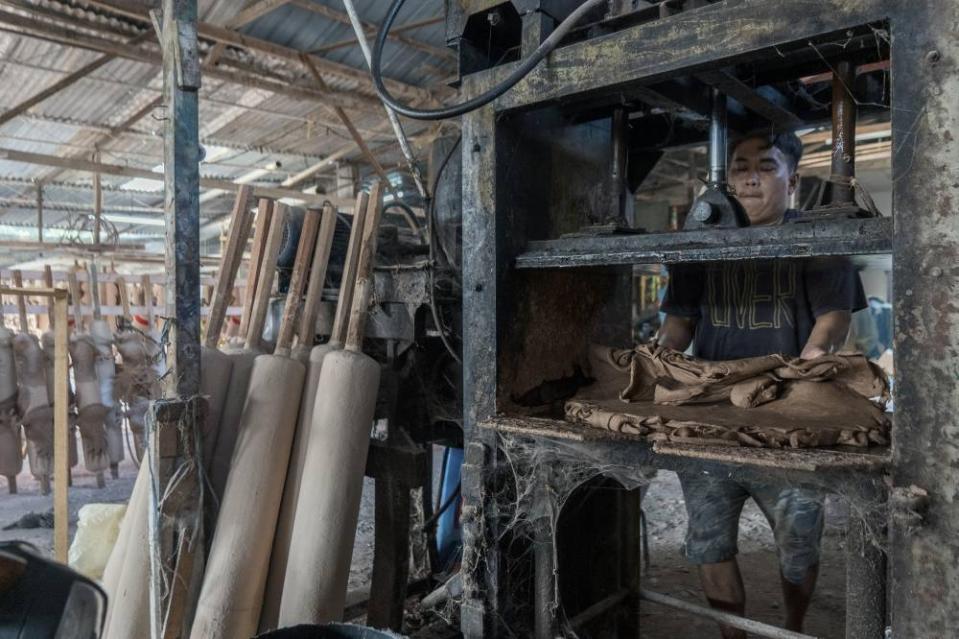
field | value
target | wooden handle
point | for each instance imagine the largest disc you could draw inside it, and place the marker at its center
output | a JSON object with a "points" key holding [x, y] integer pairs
{"points": [[364, 270], [240, 222], [75, 297], [48, 282], [146, 287], [264, 284], [314, 290], [124, 297], [341, 319], [264, 214], [294, 296], [93, 289], [21, 300]]}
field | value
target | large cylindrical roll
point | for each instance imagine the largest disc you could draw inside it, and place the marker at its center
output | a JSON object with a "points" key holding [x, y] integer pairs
{"points": [[216, 368], [219, 468], [284, 524], [236, 571], [321, 546], [90, 410], [106, 369], [10, 443], [36, 413], [129, 604]]}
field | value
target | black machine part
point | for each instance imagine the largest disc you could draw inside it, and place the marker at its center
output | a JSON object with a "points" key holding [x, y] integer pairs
{"points": [[717, 207], [43, 599]]}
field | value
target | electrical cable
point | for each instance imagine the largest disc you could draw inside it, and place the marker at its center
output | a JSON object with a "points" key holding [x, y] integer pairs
{"points": [[429, 523], [434, 240], [452, 111]]}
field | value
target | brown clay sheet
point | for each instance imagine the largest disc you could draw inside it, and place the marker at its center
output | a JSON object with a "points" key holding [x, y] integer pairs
{"points": [[767, 402]]}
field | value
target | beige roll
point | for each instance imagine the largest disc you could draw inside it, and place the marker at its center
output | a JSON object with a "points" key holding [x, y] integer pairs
{"points": [[11, 463], [90, 411], [36, 413], [324, 526], [129, 604]]}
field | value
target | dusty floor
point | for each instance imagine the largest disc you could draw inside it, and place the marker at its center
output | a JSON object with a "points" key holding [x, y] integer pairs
{"points": [[668, 573]]}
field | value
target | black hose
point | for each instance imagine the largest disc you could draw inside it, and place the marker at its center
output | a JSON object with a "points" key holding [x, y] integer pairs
{"points": [[472, 104]]}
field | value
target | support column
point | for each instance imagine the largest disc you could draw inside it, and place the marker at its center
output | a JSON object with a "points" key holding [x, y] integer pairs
{"points": [[925, 170], [176, 530]]}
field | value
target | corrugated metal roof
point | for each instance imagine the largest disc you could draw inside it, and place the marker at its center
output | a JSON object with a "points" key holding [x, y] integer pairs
{"points": [[245, 129]]}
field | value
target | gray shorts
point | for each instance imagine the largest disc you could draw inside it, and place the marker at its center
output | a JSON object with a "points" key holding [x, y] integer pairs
{"points": [[714, 505]]}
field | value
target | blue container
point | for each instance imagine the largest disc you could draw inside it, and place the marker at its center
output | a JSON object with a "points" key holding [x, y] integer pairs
{"points": [[449, 536]]}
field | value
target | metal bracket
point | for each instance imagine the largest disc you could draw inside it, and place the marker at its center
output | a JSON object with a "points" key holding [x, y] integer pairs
{"points": [[716, 209]]}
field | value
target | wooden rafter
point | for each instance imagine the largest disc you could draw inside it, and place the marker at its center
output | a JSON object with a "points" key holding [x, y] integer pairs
{"points": [[253, 11]]}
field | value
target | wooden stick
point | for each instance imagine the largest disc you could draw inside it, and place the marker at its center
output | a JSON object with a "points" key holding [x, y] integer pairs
{"points": [[364, 270], [61, 453], [264, 284], [294, 295], [75, 297], [232, 256], [264, 215], [342, 316], [48, 282], [314, 290], [21, 301], [124, 297]]}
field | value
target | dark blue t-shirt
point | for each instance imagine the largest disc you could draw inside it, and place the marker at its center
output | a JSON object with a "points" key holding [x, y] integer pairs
{"points": [[748, 308]]}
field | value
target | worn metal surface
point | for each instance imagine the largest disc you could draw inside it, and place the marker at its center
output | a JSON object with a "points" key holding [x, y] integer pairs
{"points": [[925, 73], [688, 41], [824, 237]]}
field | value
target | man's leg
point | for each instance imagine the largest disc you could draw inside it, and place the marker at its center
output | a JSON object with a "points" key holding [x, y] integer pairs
{"points": [[796, 516], [713, 506]]}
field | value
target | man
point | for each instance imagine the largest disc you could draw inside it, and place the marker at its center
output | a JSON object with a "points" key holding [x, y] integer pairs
{"points": [[729, 310]]}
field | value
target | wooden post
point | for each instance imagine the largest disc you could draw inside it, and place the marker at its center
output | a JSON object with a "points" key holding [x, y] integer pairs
{"points": [[61, 452], [176, 519]]}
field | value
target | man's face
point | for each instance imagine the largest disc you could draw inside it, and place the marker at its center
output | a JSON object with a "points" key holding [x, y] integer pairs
{"points": [[762, 180]]}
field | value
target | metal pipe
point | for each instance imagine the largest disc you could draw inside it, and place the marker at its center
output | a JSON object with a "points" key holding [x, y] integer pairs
{"points": [[758, 628], [843, 134], [717, 138], [394, 121], [618, 168]]}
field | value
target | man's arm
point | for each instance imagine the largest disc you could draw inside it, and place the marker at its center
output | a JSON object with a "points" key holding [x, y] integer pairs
{"points": [[677, 332], [828, 334]]}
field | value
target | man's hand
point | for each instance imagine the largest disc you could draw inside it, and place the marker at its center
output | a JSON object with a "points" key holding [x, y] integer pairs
{"points": [[828, 334], [676, 332]]}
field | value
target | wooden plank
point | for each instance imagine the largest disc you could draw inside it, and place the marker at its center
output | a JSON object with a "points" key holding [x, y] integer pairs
{"points": [[314, 290], [61, 453], [294, 294], [240, 223], [79, 164], [264, 282], [264, 215], [21, 301]]}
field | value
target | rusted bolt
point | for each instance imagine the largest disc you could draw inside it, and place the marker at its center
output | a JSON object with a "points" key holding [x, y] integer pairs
{"points": [[935, 271], [476, 147], [478, 288], [933, 57]]}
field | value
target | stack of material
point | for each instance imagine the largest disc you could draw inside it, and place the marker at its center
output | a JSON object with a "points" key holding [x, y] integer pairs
{"points": [[232, 594], [324, 527], [313, 359], [33, 401], [90, 409], [771, 401], [11, 463]]}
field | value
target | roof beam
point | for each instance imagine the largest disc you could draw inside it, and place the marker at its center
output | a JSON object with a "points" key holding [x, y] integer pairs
{"points": [[253, 11], [77, 164], [228, 36], [351, 42], [64, 82], [339, 16], [243, 75]]}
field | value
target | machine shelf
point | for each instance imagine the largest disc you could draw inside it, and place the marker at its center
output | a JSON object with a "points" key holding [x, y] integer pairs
{"points": [[635, 450], [798, 239]]}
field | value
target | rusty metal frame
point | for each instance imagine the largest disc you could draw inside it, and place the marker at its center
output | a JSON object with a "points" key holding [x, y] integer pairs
{"points": [[923, 239]]}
